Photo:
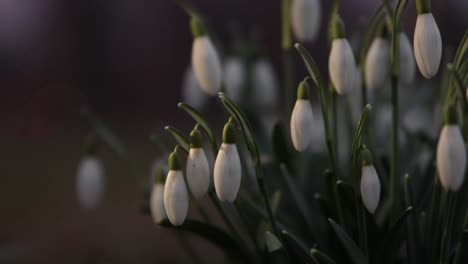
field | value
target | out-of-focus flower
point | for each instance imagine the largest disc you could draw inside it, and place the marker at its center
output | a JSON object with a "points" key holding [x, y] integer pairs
{"points": [[158, 212], [377, 63], [427, 45], [264, 84], [407, 65], [305, 19], [90, 182], [234, 78], [192, 93]]}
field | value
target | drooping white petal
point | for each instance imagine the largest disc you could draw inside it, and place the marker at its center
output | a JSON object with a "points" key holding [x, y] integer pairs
{"points": [[377, 63], [198, 172], [301, 124], [427, 45], [227, 172], [192, 93], [158, 212], [370, 188], [234, 78], [305, 19], [90, 182], [451, 158], [206, 65], [265, 84], [407, 65], [175, 197], [342, 66]]}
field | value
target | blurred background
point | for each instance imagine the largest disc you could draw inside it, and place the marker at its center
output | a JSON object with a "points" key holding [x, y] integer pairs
{"points": [[125, 60]]}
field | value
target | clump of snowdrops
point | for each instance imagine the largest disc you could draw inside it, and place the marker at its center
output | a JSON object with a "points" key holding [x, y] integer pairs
{"points": [[327, 178]]}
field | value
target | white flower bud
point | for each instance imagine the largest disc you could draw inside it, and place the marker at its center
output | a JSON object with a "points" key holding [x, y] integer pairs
{"points": [[370, 188], [90, 182], [342, 66], [305, 19], [451, 157], [377, 63], [234, 78], [198, 172], [158, 212], [265, 84], [206, 64], [427, 45], [175, 197], [192, 93], [407, 65], [227, 172], [301, 124]]}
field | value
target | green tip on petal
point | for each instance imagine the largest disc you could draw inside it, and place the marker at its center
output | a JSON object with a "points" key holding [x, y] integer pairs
{"points": [[160, 176], [198, 30], [303, 90], [338, 28], [229, 133], [174, 162], [450, 115], [195, 138], [382, 31], [366, 156]]}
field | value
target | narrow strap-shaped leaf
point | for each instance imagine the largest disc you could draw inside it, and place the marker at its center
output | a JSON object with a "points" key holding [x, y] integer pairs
{"points": [[181, 140], [298, 247], [217, 236], [203, 123], [321, 257], [392, 234], [354, 253]]}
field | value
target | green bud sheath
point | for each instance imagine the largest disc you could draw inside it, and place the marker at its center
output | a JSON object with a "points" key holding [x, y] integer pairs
{"points": [[423, 6], [382, 31], [366, 156], [338, 28], [198, 30], [174, 162], [450, 115], [229, 133], [195, 138], [303, 90]]}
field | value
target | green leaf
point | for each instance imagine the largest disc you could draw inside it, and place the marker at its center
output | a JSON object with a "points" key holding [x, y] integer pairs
{"points": [[358, 133], [354, 252], [203, 123], [183, 142], [321, 257], [298, 247], [391, 236], [215, 235]]}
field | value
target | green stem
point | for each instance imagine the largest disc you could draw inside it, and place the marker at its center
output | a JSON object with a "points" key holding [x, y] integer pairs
{"points": [[286, 44], [394, 148], [334, 128]]}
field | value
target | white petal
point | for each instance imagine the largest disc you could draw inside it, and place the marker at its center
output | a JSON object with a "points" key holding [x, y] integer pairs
{"points": [[265, 84], [301, 125], [192, 93], [377, 63], [227, 172], [427, 45], [234, 78], [370, 188], [342, 66], [451, 158], [198, 172], [90, 182], [175, 197], [407, 65], [206, 65], [158, 212], [305, 19]]}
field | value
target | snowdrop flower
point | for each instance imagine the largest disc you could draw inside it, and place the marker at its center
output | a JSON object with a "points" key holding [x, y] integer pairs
{"points": [[451, 153], [378, 62], [234, 78], [158, 212], [198, 170], [370, 183], [341, 63], [192, 93], [302, 119], [90, 182], [305, 19], [175, 192], [406, 66], [227, 168], [205, 59], [427, 42], [265, 84]]}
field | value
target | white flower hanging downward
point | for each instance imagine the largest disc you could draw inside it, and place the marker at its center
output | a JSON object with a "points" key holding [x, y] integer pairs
{"points": [[341, 63], [427, 41], [451, 153], [175, 192], [370, 183], [305, 19], [227, 168], [205, 59], [378, 61], [198, 169], [90, 181], [302, 118], [406, 66], [158, 212], [265, 84], [234, 78]]}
